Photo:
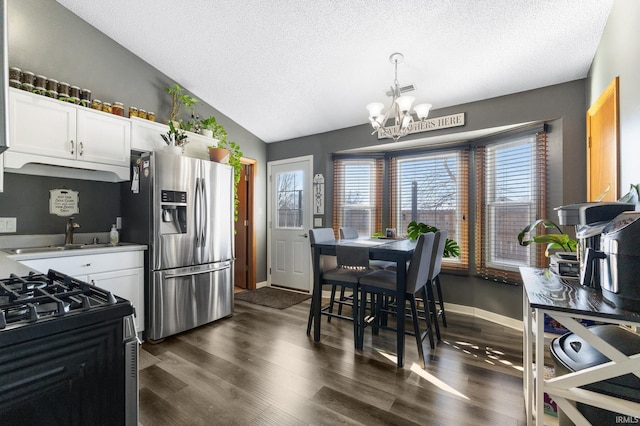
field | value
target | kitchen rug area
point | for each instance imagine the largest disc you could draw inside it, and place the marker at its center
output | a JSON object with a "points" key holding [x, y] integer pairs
{"points": [[272, 297]]}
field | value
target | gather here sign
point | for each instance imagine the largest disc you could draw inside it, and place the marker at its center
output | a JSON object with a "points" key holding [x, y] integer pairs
{"points": [[454, 120]]}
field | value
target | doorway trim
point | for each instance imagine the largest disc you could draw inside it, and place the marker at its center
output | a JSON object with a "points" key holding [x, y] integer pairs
{"points": [[309, 211], [251, 226]]}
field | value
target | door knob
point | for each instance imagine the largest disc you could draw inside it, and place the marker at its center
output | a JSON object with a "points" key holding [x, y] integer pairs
{"points": [[304, 235]]}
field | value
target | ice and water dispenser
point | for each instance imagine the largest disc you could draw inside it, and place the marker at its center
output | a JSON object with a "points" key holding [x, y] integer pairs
{"points": [[174, 212]]}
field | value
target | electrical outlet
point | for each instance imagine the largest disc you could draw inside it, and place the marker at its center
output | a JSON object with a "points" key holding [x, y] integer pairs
{"points": [[118, 222], [8, 224]]}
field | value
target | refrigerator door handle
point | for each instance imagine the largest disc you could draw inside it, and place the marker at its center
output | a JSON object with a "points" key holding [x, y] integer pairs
{"points": [[199, 272], [198, 216], [205, 214]]}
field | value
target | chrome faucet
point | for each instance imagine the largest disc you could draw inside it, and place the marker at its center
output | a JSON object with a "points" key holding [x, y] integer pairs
{"points": [[68, 234]]}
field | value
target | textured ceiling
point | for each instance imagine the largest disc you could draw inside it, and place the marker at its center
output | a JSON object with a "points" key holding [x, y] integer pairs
{"points": [[289, 68]]}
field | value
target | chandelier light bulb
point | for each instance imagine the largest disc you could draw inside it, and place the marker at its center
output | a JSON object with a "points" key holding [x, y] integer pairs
{"points": [[404, 102], [375, 109], [422, 110]]}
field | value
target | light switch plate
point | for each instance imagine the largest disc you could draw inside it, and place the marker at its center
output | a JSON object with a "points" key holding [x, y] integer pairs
{"points": [[8, 224]]}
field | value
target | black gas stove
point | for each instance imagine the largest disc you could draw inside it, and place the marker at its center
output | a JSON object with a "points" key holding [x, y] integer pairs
{"points": [[68, 348]]}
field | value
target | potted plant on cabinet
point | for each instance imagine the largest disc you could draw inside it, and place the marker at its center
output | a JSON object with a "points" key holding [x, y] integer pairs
{"points": [[231, 154], [175, 139], [179, 99], [210, 127]]}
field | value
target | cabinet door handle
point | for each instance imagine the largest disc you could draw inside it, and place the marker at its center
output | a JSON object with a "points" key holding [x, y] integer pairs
{"points": [[72, 148], [87, 264], [81, 148]]}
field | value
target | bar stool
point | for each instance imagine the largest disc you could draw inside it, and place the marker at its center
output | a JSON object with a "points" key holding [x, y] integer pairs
{"points": [[343, 270], [383, 283], [434, 279]]}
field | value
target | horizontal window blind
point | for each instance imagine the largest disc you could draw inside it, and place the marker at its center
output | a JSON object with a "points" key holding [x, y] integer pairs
{"points": [[511, 193], [358, 194], [432, 188]]}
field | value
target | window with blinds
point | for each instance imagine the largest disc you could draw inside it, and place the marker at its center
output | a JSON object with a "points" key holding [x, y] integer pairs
{"points": [[433, 188], [358, 194], [511, 179]]}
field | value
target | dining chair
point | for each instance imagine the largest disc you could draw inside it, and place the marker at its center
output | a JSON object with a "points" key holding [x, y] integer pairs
{"points": [[434, 279], [321, 235], [343, 270], [383, 283], [349, 233]]}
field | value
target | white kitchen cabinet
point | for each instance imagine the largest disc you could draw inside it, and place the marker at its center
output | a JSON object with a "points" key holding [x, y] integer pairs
{"points": [[122, 273], [48, 131], [146, 137]]}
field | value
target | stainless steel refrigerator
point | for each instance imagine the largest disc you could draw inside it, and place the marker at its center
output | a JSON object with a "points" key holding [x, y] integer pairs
{"points": [[182, 208]]}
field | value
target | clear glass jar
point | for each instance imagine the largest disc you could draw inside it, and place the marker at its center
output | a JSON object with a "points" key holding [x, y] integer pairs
{"points": [[133, 111], [28, 77], [142, 114], [63, 89], [118, 109], [96, 104], [106, 107], [151, 116], [15, 73]]}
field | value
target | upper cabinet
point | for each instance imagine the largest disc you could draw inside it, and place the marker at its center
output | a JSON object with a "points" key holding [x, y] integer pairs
{"points": [[48, 131], [146, 136]]}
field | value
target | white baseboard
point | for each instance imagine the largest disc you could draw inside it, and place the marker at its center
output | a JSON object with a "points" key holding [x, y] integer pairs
{"points": [[485, 315], [262, 284]]}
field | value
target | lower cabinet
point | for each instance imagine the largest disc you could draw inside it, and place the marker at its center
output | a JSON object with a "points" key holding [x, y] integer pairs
{"points": [[121, 273]]}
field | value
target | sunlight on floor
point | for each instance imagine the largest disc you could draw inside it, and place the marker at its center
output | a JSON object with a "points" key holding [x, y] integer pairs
{"points": [[434, 380], [492, 355], [425, 375]]}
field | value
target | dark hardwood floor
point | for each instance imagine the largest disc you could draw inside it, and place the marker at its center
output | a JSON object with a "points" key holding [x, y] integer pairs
{"points": [[259, 367]]}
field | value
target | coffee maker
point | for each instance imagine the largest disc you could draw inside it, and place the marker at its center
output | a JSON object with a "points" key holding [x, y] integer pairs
{"points": [[590, 220]]}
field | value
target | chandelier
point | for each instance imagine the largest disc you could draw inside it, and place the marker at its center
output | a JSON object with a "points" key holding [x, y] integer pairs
{"points": [[399, 110]]}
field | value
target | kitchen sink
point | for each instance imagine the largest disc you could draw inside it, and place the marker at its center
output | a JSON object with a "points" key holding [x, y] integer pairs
{"points": [[28, 250]]}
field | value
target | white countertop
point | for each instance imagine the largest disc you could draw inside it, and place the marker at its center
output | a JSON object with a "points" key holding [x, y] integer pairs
{"points": [[9, 263]]}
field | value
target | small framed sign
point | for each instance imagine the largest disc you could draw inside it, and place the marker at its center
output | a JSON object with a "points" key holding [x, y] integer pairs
{"points": [[64, 202]]}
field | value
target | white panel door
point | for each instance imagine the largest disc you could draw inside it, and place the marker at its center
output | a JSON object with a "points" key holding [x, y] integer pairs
{"points": [[290, 213]]}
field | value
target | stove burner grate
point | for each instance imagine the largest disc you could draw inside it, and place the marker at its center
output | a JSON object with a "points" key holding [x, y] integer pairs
{"points": [[25, 300]]}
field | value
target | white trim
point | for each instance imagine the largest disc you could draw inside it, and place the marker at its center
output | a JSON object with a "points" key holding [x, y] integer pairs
{"points": [[262, 284], [485, 315]]}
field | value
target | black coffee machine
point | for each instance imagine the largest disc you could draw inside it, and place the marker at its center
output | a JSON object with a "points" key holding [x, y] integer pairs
{"points": [[590, 220]]}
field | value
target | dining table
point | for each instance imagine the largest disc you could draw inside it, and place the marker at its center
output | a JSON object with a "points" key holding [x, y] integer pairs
{"points": [[399, 251]]}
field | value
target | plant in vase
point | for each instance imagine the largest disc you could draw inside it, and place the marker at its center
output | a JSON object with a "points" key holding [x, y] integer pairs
{"points": [[175, 138], [179, 99], [234, 156], [210, 127]]}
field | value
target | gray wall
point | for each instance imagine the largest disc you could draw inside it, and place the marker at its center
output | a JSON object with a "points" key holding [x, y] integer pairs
{"points": [[48, 39], [562, 105], [27, 198], [619, 55]]}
